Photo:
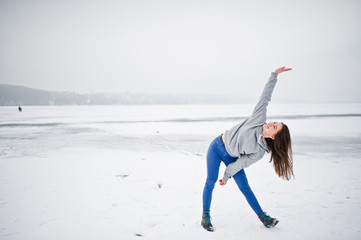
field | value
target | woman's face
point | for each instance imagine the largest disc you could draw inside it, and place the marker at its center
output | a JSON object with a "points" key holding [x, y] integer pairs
{"points": [[271, 129]]}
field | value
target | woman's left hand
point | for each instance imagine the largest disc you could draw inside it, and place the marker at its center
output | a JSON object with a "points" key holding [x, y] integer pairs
{"points": [[282, 69], [222, 182]]}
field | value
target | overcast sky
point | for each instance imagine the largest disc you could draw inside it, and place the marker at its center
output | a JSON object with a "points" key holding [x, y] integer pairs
{"points": [[200, 47]]}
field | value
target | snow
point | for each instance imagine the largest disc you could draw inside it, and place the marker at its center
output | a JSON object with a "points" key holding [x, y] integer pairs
{"points": [[137, 172]]}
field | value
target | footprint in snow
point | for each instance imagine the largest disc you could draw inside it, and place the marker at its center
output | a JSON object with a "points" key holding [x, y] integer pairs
{"points": [[122, 175]]}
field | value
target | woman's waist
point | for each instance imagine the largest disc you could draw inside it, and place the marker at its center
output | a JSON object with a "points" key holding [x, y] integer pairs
{"points": [[221, 138]]}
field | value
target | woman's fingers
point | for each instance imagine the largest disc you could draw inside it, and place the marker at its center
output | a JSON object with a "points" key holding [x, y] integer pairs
{"points": [[222, 182], [282, 69]]}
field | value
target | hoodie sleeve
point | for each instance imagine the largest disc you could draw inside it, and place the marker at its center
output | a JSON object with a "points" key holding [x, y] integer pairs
{"points": [[242, 162], [260, 111]]}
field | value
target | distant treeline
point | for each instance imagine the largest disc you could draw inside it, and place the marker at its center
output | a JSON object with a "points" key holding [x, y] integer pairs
{"points": [[18, 95]]}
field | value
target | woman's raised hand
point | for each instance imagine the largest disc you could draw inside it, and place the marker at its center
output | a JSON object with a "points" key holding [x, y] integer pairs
{"points": [[282, 69]]}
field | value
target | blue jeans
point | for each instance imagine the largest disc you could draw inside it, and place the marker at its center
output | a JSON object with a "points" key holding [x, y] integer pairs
{"points": [[217, 153]]}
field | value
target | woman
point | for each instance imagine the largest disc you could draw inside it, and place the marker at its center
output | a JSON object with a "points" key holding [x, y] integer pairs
{"points": [[245, 144]]}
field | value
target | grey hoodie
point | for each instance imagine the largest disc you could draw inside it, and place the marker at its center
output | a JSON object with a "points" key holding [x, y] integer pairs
{"points": [[245, 140]]}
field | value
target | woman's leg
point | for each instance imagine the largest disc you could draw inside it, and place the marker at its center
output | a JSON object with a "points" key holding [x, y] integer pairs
{"points": [[213, 163], [242, 183]]}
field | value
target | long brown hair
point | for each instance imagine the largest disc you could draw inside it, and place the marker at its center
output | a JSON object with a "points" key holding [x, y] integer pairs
{"points": [[281, 153]]}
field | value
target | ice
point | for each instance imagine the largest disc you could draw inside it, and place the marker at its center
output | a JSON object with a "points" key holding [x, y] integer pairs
{"points": [[137, 172]]}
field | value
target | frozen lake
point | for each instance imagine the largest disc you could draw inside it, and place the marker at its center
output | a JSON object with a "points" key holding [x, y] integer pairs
{"points": [[123, 172], [181, 128]]}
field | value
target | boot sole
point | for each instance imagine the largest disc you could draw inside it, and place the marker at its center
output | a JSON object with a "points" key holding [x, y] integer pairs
{"points": [[210, 229], [273, 225]]}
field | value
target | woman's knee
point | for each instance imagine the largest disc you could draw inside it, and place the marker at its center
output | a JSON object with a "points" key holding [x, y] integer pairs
{"points": [[210, 183], [242, 183], [245, 189]]}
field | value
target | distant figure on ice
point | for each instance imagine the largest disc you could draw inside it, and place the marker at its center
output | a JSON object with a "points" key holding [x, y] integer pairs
{"points": [[20, 109], [245, 144]]}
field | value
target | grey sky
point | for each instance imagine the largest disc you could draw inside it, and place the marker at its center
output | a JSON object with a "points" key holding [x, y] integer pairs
{"points": [[206, 47]]}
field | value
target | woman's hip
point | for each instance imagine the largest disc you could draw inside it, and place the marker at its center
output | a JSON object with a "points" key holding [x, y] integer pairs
{"points": [[217, 146]]}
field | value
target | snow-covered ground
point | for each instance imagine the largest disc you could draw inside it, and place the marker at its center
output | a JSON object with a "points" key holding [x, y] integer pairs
{"points": [[137, 172]]}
